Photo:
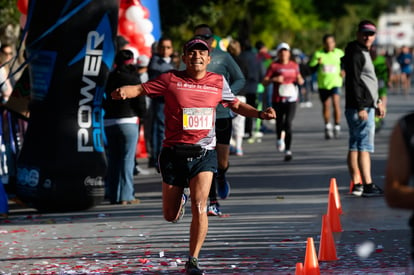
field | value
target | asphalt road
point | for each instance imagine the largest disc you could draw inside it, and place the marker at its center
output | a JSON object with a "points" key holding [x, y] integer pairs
{"points": [[273, 208]]}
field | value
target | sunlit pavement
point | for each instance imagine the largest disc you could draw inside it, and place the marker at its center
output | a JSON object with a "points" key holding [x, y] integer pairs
{"points": [[274, 207]]}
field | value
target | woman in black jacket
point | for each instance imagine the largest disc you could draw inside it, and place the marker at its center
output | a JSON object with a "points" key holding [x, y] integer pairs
{"points": [[122, 130]]}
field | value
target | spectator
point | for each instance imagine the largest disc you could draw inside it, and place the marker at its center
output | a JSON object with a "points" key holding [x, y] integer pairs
{"points": [[254, 74], [383, 72], [6, 82], [142, 70], [264, 98], [160, 62], [121, 128], [399, 192], [361, 105], [236, 147], [405, 59]]}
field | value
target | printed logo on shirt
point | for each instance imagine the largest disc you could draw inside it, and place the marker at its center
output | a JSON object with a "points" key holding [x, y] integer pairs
{"points": [[197, 87]]}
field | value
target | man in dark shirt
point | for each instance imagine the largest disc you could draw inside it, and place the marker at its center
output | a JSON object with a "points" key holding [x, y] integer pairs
{"points": [[361, 106]]}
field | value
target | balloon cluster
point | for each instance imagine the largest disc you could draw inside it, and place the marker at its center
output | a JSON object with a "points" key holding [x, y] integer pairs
{"points": [[135, 26], [23, 6]]}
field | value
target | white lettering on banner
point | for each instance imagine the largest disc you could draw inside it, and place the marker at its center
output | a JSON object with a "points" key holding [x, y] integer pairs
{"points": [[98, 181], [91, 68], [29, 177]]}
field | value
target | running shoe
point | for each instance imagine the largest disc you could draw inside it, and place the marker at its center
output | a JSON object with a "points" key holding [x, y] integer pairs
{"points": [[192, 267], [280, 145], [372, 190], [337, 130], [182, 209], [288, 155], [328, 131], [214, 210], [357, 190], [223, 187]]}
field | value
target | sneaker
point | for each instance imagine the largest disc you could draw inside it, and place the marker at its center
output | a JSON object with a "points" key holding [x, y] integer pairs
{"points": [[357, 190], [239, 152], [192, 267], [258, 134], [280, 145], [371, 190], [328, 131], [337, 131], [308, 104], [182, 209], [288, 155], [214, 210], [223, 187]]}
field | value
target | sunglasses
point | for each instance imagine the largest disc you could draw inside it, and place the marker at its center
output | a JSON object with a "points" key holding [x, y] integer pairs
{"points": [[368, 33], [204, 36]]}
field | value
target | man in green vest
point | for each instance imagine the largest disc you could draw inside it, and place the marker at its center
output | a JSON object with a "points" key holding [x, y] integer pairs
{"points": [[382, 66]]}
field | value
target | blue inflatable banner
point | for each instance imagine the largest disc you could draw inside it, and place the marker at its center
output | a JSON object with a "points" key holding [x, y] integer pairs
{"points": [[70, 50]]}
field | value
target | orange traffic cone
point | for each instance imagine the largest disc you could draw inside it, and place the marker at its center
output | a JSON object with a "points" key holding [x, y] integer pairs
{"points": [[352, 183], [333, 188], [327, 250], [333, 214], [351, 186], [311, 266], [141, 150], [299, 269]]}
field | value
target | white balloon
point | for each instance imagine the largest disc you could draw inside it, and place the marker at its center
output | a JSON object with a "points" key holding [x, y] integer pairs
{"points": [[144, 26], [134, 13], [149, 39]]}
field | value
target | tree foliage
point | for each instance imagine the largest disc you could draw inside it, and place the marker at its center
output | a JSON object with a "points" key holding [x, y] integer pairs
{"points": [[302, 23], [9, 20]]}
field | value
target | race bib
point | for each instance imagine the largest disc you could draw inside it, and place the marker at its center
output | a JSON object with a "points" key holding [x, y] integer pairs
{"points": [[288, 90], [329, 68], [198, 118]]}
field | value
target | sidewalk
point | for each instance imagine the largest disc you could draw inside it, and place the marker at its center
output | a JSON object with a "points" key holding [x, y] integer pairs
{"points": [[273, 208]]}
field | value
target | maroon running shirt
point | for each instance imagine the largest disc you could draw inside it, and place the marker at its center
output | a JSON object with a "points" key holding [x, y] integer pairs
{"points": [[290, 74], [190, 106]]}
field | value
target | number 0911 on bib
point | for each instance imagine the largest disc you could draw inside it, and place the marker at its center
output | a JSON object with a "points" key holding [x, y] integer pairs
{"points": [[198, 118]]}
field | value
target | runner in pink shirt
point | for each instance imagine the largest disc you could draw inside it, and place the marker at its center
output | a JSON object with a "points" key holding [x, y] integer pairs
{"points": [[188, 158]]}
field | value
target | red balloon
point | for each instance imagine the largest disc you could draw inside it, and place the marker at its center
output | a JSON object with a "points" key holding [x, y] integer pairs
{"points": [[137, 40], [127, 3], [23, 6], [23, 20], [126, 27], [121, 13], [145, 51], [146, 12]]}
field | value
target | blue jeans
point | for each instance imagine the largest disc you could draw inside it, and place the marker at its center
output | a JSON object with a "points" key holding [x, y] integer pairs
{"points": [[361, 132], [122, 142], [158, 128]]}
